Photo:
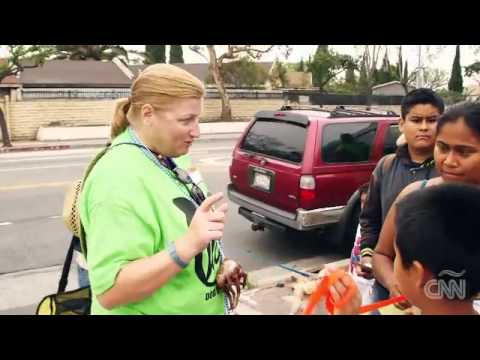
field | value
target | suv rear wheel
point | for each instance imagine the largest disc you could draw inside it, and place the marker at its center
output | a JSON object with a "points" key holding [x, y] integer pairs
{"points": [[346, 228]]}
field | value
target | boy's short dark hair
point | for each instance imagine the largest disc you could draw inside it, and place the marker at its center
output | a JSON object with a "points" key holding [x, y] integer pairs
{"points": [[421, 96], [468, 111], [438, 227]]}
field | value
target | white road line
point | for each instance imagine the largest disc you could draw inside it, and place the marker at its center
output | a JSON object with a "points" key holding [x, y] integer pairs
{"points": [[35, 186], [217, 160], [5, 223], [43, 167], [55, 217], [48, 158]]}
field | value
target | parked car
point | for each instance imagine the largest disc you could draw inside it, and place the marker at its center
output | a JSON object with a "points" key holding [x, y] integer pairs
{"points": [[300, 168]]}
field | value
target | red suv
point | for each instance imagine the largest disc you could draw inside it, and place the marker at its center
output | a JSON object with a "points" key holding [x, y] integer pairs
{"points": [[300, 168]]}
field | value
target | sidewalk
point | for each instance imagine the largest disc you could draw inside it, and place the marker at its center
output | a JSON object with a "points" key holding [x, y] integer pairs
{"points": [[62, 138], [269, 291]]}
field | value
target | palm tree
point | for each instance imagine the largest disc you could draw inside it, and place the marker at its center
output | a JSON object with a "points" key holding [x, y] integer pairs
{"points": [[90, 52]]}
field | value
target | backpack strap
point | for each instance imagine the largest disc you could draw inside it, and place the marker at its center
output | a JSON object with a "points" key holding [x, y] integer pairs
{"points": [[82, 237], [83, 243], [387, 162], [62, 284]]}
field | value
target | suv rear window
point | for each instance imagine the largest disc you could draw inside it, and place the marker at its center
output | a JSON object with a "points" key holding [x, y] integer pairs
{"points": [[279, 139], [348, 142]]}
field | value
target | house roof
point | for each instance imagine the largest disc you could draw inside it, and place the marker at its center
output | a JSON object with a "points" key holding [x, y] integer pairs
{"points": [[199, 70], [396, 82], [75, 73], [9, 80]]}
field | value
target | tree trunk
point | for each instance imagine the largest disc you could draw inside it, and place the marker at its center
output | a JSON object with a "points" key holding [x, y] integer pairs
{"points": [[217, 77], [3, 126]]}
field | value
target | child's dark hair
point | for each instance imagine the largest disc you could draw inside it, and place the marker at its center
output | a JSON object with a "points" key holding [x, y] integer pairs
{"points": [[438, 227], [468, 111], [363, 189], [421, 96]]}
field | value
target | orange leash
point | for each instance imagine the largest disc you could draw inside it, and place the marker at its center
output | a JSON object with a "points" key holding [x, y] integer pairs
{"points": [[380, 304], [322, 290]]}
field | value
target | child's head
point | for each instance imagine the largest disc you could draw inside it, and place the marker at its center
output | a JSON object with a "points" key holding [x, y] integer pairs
{"points": [[457, 149], [437, 246], [363, 192], [420, 109]]}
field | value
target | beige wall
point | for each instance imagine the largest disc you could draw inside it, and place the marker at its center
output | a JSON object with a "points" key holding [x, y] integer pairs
{"points": [[27, 116]]}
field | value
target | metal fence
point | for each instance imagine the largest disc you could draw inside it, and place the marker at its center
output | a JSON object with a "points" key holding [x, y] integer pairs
{"points": [[318, 98], [73, 93], [246, 94], [102, 94]]}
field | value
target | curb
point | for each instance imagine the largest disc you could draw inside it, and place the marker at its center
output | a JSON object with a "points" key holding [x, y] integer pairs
{"points": [[102, 142], [273, 275]]}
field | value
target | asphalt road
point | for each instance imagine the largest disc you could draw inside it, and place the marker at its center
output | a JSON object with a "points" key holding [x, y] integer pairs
{"points": [[32, 234]]}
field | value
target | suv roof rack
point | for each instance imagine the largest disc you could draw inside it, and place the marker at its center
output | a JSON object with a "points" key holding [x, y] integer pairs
{"points": [[303, 107], [341, 111]]}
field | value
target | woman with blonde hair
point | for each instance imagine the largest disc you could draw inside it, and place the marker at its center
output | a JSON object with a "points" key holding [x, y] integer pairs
{"points": [[152, 236]]}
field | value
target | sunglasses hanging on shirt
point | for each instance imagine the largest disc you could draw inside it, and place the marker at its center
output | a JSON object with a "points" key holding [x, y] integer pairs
{"points": [[182, 175]]}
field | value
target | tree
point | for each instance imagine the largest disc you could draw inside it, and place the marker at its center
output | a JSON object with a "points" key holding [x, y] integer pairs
{"points": [[301, 66], [91, 52], [435, 78], [322, 48], [278, 76], [368, 61], [20, 57], [456, 80], [472, 69], [350, 77], [176, 54], [363, 83], [154, 54], [404, 76], [326, 65], [216, 62], [386, 73], [242, 72]]}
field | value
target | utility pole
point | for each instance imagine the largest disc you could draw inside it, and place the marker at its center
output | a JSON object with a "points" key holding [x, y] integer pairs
{"points": [[420, 68]]}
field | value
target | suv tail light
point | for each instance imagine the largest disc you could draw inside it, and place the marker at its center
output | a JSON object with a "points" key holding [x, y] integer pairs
{"points": [[307, 188]]}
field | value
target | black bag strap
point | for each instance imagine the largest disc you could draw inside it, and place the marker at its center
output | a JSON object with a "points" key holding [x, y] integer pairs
{"points": [[62, 284]]}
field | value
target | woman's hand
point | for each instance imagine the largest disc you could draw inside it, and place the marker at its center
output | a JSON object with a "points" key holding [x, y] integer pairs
{"points": [[231, 279], [207, 224]]}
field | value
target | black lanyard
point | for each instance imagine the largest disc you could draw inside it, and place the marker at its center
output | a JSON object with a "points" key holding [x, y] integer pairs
{"points": [[182, 176]]}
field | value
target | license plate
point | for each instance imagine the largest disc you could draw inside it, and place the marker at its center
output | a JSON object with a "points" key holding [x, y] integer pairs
{"points": [[261, 181]]}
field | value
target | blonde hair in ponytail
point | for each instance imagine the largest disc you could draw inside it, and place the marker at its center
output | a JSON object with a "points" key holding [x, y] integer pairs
{"points": [[157, 85], [120, 121]]}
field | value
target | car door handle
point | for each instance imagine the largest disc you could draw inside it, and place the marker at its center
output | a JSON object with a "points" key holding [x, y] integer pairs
{"points": [[293, 197]]}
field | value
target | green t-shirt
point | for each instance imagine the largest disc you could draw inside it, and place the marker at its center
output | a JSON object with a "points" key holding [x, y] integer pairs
{"points": [[131, 209]]}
